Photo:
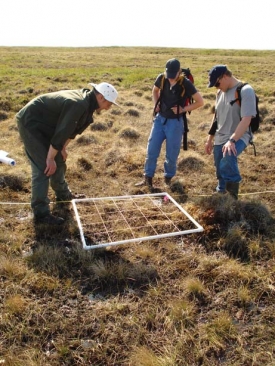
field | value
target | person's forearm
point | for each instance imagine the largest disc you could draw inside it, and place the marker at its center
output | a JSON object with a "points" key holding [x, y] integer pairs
{"points": [[52, 153], [198, 102], [67, 143], [242, 127], [155, 94], [210, 138], [209, 144], [193, 106]]}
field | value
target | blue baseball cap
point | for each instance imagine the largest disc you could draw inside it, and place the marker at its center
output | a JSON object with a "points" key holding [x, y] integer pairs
{"points": [[216, 72], [172, 68]]}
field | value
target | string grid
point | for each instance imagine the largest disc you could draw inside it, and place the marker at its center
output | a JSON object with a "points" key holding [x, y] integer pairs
{"points": [[109, 221]]}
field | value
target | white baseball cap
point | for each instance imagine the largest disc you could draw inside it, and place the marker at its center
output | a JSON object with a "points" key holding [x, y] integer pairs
{"points": [[107, 90]]}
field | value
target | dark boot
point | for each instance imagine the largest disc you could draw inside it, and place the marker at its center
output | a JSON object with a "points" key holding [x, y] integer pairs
{"points": [[233, 189], [69, 196], [49, 219], [148, 181], [168, 181]]}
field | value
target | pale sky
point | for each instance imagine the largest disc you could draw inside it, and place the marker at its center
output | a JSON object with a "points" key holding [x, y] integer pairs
{"points": [[223, 24]]}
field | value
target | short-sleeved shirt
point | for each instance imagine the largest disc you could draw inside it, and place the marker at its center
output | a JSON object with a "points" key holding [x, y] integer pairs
{"points": [[171, 96], [56, 117], [229, 116]]}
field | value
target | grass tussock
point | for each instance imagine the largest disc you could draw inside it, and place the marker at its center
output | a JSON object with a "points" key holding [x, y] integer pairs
{"points": [[133, 112], [129, 133], [13, 182], [199, 299], [87, 139], [99, 126], [85, 164], [238, 224]]}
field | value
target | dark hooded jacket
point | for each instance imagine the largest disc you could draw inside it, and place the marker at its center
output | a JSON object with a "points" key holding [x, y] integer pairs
{"points": [[53, 118]]}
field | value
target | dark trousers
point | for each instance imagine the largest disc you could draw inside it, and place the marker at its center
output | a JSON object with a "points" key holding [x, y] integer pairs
{"points": [[37, 149]]}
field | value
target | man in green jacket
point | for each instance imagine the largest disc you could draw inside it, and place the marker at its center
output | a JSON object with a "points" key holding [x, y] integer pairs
{"points": [[46, 125]]}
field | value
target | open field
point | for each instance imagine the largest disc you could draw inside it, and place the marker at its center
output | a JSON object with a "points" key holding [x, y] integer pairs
{"points": [[193, 300]]}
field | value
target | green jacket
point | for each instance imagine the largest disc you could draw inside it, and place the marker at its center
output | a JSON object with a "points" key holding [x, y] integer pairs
{"points": [[56, 117]]}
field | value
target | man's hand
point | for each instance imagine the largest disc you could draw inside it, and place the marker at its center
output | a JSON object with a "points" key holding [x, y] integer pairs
{"points": [[208, 147], [175, 109], [50, 167], [229, 148], [50, 162], [157, 109]]}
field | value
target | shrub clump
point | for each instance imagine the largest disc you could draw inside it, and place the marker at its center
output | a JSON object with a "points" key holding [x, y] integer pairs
{"points": [[133, 112], [5, 105], [116, 112], [235, 244], [3, 116], [113, 156], [235, 224], [129, 133], [190, 163], [99, 126], [257, 217], [85, 164], [87, 140], [13, 182]]}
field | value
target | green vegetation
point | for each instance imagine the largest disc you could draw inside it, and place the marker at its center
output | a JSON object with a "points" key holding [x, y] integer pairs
{"points": [[202, 299]]}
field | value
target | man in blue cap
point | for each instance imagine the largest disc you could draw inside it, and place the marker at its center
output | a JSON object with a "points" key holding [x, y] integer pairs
{"points": [[169, 99], [230, 133]]}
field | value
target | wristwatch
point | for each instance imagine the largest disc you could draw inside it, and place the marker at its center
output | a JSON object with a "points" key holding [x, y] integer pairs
{"points": [[232, 140]]}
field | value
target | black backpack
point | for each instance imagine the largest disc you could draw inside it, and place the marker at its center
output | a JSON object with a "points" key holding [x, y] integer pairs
{"points": [[255, 121], [186, 73]]}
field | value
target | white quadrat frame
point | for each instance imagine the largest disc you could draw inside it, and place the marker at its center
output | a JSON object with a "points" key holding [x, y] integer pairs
{"points": [[165, 198]]}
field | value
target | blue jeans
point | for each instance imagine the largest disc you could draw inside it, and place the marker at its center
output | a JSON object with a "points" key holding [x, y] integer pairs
{"points": [[170, 130], [227, 169]]}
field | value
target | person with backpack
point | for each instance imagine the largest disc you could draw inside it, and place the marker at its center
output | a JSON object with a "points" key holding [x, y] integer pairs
{"points": [[230, 132], [46, 126], [170, 92]]}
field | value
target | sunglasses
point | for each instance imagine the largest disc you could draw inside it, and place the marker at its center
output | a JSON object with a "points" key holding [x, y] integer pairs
{"points": [[218, 82]]}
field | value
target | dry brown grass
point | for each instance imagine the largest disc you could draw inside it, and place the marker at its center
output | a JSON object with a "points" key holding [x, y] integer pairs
{"points": [[201, 299]]}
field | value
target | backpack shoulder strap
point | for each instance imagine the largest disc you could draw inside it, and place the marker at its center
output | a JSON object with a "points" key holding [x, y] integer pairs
{"points": [[161, 89], [162, 82], [238, 96], [181, 83]]}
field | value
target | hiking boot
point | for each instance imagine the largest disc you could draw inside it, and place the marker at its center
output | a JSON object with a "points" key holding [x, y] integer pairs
{"points": [[70, 197], [49, 219], [167, 181], [148, 181], [233, 189]]}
